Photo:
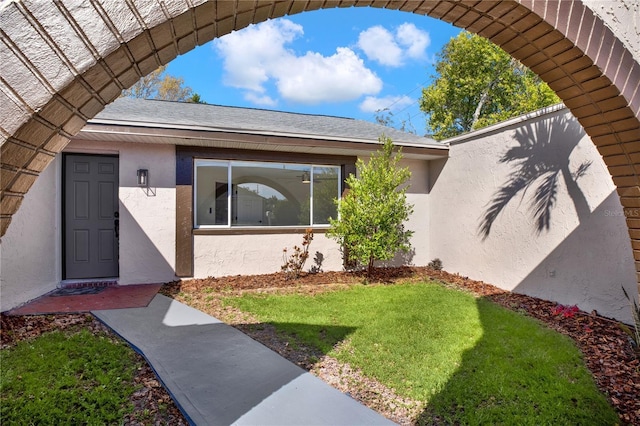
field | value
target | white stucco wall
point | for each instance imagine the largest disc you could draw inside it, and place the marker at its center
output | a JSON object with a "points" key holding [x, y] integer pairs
{"points": [[220, 255], [29, 251], [581, 259], [147, 216], [251, 254], [623, 18], [32, 249], [418, 196]]}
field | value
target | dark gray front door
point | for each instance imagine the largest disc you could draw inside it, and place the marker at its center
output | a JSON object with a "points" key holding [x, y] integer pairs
{"points": [[90, 216]]}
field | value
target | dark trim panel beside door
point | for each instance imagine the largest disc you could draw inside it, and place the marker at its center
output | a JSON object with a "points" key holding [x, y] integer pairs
{"points": [[184, 230]]}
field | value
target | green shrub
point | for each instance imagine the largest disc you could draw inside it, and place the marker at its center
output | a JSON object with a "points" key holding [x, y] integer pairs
{"points": [[435, 264], [371, 216]]}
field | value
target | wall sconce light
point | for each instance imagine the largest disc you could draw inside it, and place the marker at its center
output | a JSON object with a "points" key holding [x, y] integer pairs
{"points": [[305, 177], [143, 178]]}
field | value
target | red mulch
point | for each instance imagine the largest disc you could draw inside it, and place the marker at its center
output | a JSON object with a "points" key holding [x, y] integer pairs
{"points": [[607, 349]]}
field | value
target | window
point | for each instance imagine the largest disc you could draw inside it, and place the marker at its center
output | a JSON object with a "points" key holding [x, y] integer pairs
{"points": [[249, 193]]}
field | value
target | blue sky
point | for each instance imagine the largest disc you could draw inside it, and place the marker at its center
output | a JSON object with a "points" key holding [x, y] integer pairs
{"points": [[343, 62]]}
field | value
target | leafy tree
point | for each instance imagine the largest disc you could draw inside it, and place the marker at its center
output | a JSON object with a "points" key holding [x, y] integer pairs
{"points": [[158, 85], [478, 84], [371, 216], [196, 99]]}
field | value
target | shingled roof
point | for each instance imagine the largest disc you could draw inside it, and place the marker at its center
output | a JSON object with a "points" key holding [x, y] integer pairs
{"points": [[182, 115], [128, 120]]}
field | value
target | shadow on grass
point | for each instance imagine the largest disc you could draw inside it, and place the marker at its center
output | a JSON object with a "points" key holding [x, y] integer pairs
{"points": [[518, 375], [499, 368], [318, 339]]}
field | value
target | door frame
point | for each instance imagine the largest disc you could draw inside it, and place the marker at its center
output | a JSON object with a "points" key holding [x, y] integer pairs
{"points": [[63, 224]]}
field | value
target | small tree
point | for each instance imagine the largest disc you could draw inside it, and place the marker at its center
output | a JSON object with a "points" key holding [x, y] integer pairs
{"points": [[159, 85], [371, 216]]}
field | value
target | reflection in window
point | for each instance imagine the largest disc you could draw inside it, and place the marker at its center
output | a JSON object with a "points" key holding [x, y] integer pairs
{"points": [[264, 194], [326, 181], [211, 193]]}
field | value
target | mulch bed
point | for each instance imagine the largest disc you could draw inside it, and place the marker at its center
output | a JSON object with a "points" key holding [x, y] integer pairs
{"points": [[607, 349]]}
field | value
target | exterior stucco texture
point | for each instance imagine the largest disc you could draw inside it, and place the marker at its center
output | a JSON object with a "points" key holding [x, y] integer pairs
{"points": [[580, 256], [574, 256]]}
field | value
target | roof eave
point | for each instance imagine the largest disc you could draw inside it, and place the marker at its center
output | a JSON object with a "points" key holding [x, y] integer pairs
{"points": [[130, 131]]}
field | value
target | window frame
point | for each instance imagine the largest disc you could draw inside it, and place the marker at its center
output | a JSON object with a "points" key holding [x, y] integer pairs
{"points": [[184, 161], [340, 168]]}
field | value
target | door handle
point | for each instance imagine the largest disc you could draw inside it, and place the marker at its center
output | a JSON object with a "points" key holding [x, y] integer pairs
{"points": [[116, 224]]}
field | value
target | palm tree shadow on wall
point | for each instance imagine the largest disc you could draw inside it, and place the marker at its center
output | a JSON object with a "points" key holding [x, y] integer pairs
{"points": [[541, 157]]}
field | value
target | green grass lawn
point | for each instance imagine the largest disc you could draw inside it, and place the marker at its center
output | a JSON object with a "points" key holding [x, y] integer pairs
{"points": [[66, 378], [469, 360]]}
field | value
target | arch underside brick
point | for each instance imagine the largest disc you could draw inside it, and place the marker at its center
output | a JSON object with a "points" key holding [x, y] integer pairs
{"points": [[62, 63]]}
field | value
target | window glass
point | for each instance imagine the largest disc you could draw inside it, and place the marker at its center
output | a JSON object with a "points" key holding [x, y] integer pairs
{"points": [[265, 194], [326, 188], [269, 194], [211, 193]]}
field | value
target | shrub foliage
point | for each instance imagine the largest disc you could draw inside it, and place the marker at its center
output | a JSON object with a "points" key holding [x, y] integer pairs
{"points": [[371, 216]]}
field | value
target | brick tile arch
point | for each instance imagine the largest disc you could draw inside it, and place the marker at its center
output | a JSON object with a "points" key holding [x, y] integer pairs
{"points": [[63, 62]]}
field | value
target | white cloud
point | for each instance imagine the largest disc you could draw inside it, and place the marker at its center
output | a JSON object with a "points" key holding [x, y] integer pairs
{"points": [[249, 55], [257, 55], [316, 78], [380, 45], [256, 99], [415, 40], [393, 103]]}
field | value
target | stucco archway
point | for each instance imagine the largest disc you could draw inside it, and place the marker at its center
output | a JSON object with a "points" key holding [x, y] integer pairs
{"points": [[62, 63]]}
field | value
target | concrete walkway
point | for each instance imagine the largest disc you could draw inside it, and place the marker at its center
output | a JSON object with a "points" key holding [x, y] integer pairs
{"points": [[220, 376]]}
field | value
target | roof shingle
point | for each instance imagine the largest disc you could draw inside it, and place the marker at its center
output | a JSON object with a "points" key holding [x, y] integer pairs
{"points": [[250, 120]]}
